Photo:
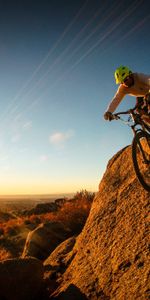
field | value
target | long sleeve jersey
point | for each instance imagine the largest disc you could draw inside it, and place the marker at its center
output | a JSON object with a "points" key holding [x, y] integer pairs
{"points": [[140, 88]]}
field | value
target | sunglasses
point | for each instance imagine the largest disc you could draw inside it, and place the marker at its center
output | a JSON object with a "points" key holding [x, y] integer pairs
{"points": [[126, 79]]}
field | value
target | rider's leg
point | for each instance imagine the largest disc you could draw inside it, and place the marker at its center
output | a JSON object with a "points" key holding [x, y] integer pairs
{"points": [[146, 118], [147, 98], [143, 107]]}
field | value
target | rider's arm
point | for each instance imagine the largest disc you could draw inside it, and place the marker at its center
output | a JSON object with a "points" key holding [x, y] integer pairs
{"points": [[117, 99]]}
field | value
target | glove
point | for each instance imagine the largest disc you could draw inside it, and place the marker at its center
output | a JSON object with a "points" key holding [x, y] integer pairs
{"points": [[108, 116]]}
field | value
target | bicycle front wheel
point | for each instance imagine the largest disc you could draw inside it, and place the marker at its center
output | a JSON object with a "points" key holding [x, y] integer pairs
{"points": [[141, 158]]}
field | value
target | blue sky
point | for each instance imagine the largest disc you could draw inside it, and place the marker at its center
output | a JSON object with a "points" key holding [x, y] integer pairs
{"points": [[57, 63]]}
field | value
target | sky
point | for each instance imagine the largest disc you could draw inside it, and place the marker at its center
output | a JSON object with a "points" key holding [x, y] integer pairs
{"points": [[57, 63]]}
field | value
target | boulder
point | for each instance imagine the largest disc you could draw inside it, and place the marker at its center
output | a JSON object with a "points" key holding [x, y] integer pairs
{"points": [[56, 263], [111, 256], [20, 279], [41, 208], [44, 239]]}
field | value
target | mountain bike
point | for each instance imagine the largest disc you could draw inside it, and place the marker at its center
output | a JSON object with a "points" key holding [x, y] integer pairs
{"points": [[140, 145]]}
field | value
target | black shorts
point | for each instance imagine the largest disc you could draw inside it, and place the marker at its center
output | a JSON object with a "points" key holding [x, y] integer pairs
{"points": [[142, 104]]}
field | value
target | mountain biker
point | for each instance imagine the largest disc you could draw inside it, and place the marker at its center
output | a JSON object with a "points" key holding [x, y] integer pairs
{"points": [[134, 84]]}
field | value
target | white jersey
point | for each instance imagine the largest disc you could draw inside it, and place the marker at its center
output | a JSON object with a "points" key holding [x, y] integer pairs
{"points": [[140, 88]]}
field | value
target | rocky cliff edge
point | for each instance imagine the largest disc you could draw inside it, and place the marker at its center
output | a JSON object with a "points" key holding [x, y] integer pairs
{"points": [[110, 258]]}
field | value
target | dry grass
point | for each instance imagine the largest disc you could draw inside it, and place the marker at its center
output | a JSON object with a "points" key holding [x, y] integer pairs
{"points": [[4, 254], [72, 214], [12, 226]]}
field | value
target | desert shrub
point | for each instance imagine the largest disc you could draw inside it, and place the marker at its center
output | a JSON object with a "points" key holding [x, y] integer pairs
{"points": [[75, 212], [27, 222], [12, 226], [11, 230], [73, 218], [50, 217], [4, 254], [34, 219], [84, 196]]}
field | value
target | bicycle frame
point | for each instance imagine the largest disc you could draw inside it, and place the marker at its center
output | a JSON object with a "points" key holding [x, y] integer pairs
{"points": [[136, 118], [137, 121], [141, 131]]}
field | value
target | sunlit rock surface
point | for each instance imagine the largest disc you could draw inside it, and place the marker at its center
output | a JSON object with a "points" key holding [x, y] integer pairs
{"points": [[110, 259]]}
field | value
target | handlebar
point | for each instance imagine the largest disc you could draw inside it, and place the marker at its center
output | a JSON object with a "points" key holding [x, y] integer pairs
{"points": [[133, 120], [131, 112], [127, 112]]}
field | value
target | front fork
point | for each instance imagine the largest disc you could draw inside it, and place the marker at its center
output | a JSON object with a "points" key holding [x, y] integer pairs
{"points": [[145, 160]]}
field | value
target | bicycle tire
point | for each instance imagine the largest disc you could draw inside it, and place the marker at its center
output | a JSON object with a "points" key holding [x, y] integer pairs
{"points": [[136, 144]]}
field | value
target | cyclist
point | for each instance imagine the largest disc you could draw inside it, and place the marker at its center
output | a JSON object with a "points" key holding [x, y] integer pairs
{"points": [[134, 84]]}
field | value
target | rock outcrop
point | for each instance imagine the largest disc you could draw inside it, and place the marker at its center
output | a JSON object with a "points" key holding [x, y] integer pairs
{"points": [[111, 257], [20, 279], [56, 263], [41, 208], [44, 239]]}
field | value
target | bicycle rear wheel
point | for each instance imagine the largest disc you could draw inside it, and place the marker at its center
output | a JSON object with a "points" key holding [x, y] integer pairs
{"points": [[141, 158]]}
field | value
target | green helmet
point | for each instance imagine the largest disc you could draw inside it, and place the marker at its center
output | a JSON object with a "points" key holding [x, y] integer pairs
{"points": [[121, 73]]}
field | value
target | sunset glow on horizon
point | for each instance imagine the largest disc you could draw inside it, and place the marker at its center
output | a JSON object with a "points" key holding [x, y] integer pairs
{"points": [[24, 187]]}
